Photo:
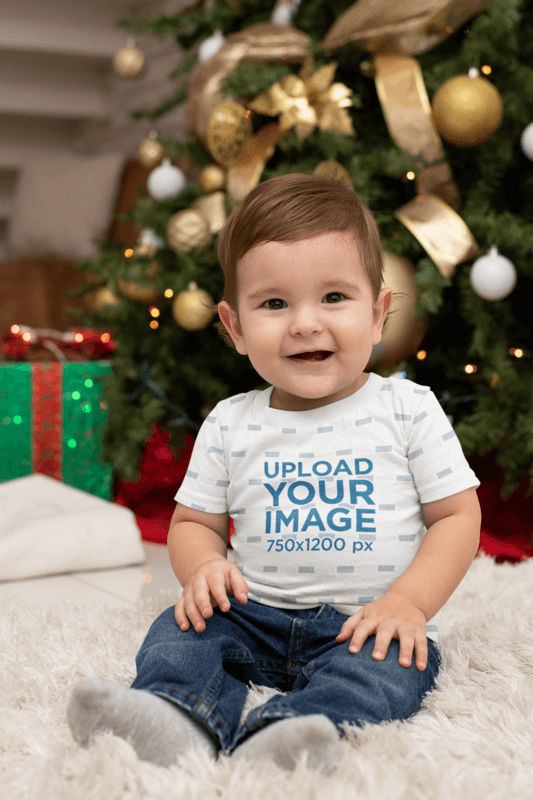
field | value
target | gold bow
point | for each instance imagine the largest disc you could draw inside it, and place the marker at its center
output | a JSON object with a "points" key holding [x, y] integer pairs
{"points": [[307, 101]]}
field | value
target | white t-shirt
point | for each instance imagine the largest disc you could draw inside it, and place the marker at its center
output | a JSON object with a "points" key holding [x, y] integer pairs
{"points": [[326, 503]]}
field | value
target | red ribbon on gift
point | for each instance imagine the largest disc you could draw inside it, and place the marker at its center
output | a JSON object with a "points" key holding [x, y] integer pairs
{"points": [[47, 414]]}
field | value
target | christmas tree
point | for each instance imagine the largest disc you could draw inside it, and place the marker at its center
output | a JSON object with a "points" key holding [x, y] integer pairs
{"points": [[427, 114]]}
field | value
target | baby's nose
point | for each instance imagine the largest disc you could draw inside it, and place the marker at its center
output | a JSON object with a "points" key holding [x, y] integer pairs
{"points": [[306, 321]]}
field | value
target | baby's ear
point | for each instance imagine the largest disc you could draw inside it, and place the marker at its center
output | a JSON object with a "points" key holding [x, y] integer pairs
{"points": [[381, 308], [230, 321]]}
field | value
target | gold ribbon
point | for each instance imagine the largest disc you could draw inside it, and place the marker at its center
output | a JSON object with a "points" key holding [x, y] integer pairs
{"points": [[409, 27], [407, 111], [440, 231]]}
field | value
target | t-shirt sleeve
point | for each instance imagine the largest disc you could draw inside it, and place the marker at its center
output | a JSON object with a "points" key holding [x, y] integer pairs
{"points": [[435, 456], [205, 484]]}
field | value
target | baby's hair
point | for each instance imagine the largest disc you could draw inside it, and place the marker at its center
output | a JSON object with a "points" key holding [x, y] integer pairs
{"points": [[291, 207]]}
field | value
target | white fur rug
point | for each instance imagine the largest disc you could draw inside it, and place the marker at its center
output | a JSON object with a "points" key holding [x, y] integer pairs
{"points": [[472, 739]]}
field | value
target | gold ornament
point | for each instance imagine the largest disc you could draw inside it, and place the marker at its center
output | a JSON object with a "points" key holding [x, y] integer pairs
{"points": [[467, 109], [191, 308], [403, 332], [332, 169], [212, 209], [212, 178], [230, 129], [135, 291], [129, 62], [144, 249], [151, 152], [307, 101], [188, 229], [101, 298]]}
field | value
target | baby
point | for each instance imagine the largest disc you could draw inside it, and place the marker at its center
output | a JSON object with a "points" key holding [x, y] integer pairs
{"points": [[355, 511]]}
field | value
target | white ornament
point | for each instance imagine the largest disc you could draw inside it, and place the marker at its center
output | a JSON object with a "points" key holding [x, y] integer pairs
{"points": [[284, 12], [526, 141], [151, 239], [493, 276], [211, 46], [165, 181]]}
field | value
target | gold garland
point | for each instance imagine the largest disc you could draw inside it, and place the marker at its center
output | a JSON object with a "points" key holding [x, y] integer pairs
{"points": [[393, 33]]}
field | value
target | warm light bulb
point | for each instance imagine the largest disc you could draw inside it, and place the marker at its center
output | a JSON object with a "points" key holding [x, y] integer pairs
{"points": [[105, 337], [15, 329], [486, 69], [518, 353], [154, 324], [421, 355], [128, 253], [470, 368], [410, 176], [27, 337], [78, 337], [169, 292], [154, 311]]}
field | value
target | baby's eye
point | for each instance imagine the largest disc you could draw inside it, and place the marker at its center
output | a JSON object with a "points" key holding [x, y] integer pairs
{"points": [[274, 307], [337, 297]]}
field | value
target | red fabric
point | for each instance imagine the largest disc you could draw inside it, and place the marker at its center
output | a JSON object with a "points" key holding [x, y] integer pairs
{"points": [[506, 529], [47, 418]]}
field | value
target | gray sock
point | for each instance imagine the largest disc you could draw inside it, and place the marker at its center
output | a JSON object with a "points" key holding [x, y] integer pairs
{"points": [[284, 742], [157, 730]]}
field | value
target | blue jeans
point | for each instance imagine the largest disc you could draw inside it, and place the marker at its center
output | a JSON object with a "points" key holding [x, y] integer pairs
{"points": [[206, 674]]}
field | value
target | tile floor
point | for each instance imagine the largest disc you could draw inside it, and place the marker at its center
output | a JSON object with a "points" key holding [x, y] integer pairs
{"points": [[116, 587]]}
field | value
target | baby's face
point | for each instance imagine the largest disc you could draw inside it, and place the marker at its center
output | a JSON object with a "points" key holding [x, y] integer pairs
{"points": [[307, 318]]}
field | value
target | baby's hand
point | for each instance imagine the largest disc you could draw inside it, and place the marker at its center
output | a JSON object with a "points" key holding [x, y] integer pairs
{"points": [[209, 586], [390, 617]]}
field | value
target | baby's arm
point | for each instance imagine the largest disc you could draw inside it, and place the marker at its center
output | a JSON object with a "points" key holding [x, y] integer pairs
{"points": [[441, 562], [197, 548], [195, 537]]}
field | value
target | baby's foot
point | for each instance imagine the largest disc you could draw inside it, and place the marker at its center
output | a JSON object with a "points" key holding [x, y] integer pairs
{"points": [[285, 741], [157, 730]]}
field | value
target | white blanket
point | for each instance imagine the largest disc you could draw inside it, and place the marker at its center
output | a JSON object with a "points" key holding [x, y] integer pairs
{"points": [[472, 739], [47, 527]]}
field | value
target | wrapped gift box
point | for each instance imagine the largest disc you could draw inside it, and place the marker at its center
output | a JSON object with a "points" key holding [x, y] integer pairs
{"points": [[52, 416]]}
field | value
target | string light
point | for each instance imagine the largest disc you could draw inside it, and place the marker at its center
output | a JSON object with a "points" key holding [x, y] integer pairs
{"points": [[128, 253], [154, 311], [517, 352], [421, 355], [410, 176], [169, 292], [154, 324], [105, 337], [486, 69], [15, 329], [78, 337], [27, 337], [470, 368]]}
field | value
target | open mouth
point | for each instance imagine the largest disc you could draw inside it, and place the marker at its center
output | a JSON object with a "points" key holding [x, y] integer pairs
{"points": [[314, 355]]}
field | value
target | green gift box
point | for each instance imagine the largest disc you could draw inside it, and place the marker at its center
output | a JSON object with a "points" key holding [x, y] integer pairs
{"points": [[52, 419]]}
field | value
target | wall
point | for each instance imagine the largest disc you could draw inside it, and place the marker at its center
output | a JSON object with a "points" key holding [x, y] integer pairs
{"points": [[58, 91]]}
